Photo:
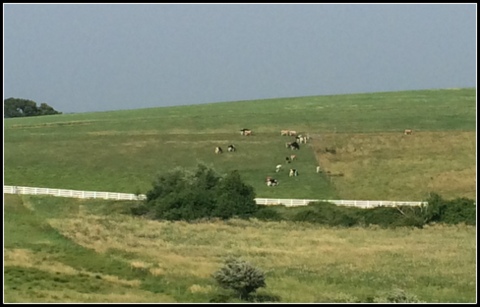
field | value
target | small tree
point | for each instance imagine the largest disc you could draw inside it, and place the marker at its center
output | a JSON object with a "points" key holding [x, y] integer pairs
{"points": [[186, 195], [240, 276]]}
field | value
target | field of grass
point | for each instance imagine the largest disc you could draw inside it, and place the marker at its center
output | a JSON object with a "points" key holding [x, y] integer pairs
{"points": [[123, 151], [70, 250]]}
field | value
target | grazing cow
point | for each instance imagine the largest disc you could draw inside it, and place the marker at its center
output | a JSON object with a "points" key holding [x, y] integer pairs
{"points": [[271, 182], [284, 132], [293, 172], [287, 159], [293, 157], [292, 133], [293, 146], [231, 148], [407, 131], [278, 168], [301, 139], [245, 131], [218, 150], [318, 169]]}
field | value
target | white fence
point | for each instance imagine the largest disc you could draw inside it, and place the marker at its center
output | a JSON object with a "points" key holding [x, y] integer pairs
{"points": [[261, 201], [70, 193], [351, 203]]}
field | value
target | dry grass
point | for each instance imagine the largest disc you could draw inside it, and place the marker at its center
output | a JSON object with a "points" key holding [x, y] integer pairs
{"points": [[72, 296], [183, 249], [303, 262], [29, 259], [404, 167]]}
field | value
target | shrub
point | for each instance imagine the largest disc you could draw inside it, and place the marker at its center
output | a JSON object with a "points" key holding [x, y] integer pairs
{"points": [[234, 198], [327, 214], [183, 195], [459, 210], [266, 213], [240, 276], [382, 216]]}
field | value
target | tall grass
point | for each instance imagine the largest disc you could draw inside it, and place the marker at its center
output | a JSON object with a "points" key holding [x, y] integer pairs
{"points": [[415, 165], [67, 250]]}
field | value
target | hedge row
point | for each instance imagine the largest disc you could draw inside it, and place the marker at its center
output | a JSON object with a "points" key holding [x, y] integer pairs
{"points": [[437, 210]]}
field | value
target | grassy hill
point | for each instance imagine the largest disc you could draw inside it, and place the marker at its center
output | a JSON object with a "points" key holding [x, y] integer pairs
{"points": [[122, 151], [70, 250]]}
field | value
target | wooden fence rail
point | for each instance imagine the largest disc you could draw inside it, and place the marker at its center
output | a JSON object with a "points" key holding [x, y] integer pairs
{"points": [[260, 201]]}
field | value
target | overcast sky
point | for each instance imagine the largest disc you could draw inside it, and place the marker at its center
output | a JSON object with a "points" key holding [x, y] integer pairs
{"points": [[100, 57]]}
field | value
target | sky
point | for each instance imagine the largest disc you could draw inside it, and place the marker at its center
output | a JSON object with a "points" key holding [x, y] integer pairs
{"points": [[102, 57]]}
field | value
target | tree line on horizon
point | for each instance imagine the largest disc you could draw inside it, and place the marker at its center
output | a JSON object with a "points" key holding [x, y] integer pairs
{"points": [[18, 107]]}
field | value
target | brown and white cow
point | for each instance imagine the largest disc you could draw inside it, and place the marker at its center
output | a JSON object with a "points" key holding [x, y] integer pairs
{"points": [[408, 131], [245, 131]]}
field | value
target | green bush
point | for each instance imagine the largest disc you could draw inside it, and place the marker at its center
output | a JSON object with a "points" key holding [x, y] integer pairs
{"points": [[327, 214], [139, 209], [459, 210], [382, 216], [240, 276], [266, 213], [183, 195]]}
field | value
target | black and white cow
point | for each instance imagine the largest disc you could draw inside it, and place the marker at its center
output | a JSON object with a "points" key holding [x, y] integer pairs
{"points": [[231, 148], [293, 146], [293, 172], [271, 182], [218, 150]]}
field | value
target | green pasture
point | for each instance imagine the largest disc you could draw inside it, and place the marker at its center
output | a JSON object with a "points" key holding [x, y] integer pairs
{"points": [[61, 250], [123, 151]]}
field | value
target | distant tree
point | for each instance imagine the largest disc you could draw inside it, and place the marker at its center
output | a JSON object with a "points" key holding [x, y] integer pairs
{"points": [[16, 107]]}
